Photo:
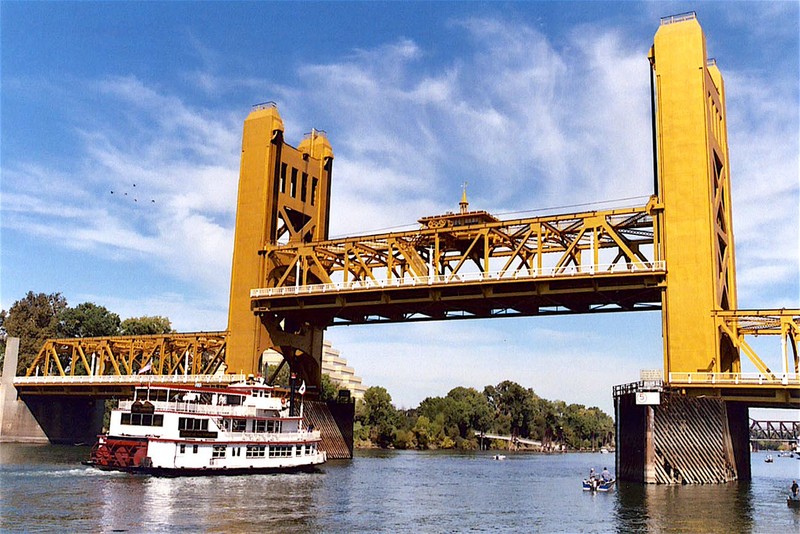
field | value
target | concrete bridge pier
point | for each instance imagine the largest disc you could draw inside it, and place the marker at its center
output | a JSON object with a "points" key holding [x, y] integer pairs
{"points": [[664, 437], [44, 419]]}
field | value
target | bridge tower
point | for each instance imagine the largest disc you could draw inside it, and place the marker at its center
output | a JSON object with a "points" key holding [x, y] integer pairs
{"points": [[284, 198], [693, 187], [695, 238]]}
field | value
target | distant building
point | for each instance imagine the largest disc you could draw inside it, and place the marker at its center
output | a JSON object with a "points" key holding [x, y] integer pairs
{"points": [[336, 367], [333, 365]]}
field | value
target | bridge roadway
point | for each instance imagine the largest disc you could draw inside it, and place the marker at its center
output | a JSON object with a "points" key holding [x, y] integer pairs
{"points": [[546, 291], [107, 386]]}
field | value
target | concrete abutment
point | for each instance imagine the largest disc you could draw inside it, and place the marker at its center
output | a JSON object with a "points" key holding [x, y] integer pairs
{"points": [[47, 418]]}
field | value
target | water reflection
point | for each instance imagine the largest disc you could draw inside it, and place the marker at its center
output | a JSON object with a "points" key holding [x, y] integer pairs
{"points": [[710, 508]]}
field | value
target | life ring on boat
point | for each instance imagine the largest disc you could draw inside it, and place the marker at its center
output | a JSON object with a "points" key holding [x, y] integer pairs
{"points": [[283, 401]]}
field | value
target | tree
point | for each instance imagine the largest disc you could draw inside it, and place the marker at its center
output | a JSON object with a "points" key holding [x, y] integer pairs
{"points": [[87, 320], [511, 400], [379, 414], [33, 319], [145, 326], [328, 389], [467, 409]]}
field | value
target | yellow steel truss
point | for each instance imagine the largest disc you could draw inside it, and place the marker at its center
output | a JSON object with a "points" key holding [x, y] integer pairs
{"points": [[785, 323], [598, 251], [168, 354]]}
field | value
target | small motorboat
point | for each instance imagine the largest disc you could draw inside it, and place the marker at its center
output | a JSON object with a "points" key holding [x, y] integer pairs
{"points": [[598, 484], [769, 459], [499, 457]]}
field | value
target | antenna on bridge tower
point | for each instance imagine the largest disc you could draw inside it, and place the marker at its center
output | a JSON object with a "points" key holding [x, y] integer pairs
{"points": [[463, 205]]}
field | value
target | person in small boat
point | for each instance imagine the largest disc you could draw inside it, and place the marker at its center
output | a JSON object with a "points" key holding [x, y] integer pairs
{"points": [[795, 488], [606, 474], [592, 474]]}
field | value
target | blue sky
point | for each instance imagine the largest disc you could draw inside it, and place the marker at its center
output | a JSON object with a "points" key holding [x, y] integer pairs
{"points": [[535, 105]]}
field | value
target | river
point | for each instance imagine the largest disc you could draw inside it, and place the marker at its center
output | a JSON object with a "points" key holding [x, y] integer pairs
{"points": [[44, 488]]}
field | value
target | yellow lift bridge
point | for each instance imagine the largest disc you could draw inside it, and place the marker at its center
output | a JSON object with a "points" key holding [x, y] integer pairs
{"points": [[675, 253]]}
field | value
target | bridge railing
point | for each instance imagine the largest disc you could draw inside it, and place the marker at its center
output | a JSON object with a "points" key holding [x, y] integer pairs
{"points": [[135, 380], [461, 278], [734, 379]]}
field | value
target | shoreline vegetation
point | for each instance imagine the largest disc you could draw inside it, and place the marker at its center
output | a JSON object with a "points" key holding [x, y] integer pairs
{"points": [[452, 421]]}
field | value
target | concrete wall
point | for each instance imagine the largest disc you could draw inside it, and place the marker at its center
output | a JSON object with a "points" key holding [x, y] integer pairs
{"points": [[45, 418], [16, 420]]}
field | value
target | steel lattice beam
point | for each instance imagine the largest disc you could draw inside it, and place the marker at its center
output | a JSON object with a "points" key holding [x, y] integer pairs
{"points": [[168, 354], [471, 265]]}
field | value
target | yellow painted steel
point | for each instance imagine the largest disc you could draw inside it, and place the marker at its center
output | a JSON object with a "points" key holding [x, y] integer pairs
{"points": [[471, 264], [163, 354], [284, 196], [696, 237]]}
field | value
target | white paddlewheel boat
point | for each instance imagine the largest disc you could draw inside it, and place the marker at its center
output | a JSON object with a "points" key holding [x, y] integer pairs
{"points": [[194, 430]]}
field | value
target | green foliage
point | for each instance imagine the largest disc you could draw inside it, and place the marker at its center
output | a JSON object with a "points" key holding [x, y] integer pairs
{"points": [[452, 421], [467, 410], [404, 439], [87, 320], [378, 409], [282, 378], [32, 319], [145, 325], [329, 390]]}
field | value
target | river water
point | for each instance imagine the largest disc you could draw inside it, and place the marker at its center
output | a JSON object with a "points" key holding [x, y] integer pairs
{"points": [[44, 488]]}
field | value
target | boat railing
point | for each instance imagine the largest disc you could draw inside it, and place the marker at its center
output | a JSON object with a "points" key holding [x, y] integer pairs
{"points": [[271, 437], [204, 409]]}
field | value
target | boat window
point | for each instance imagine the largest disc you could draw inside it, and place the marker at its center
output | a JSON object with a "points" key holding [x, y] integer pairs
{"points": [[280, 451], [194, 449], [238, 425], [259, 426], [191, 423], [274, 426], [142, 419], [219, 451], [255, 451], [183, 448]]}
